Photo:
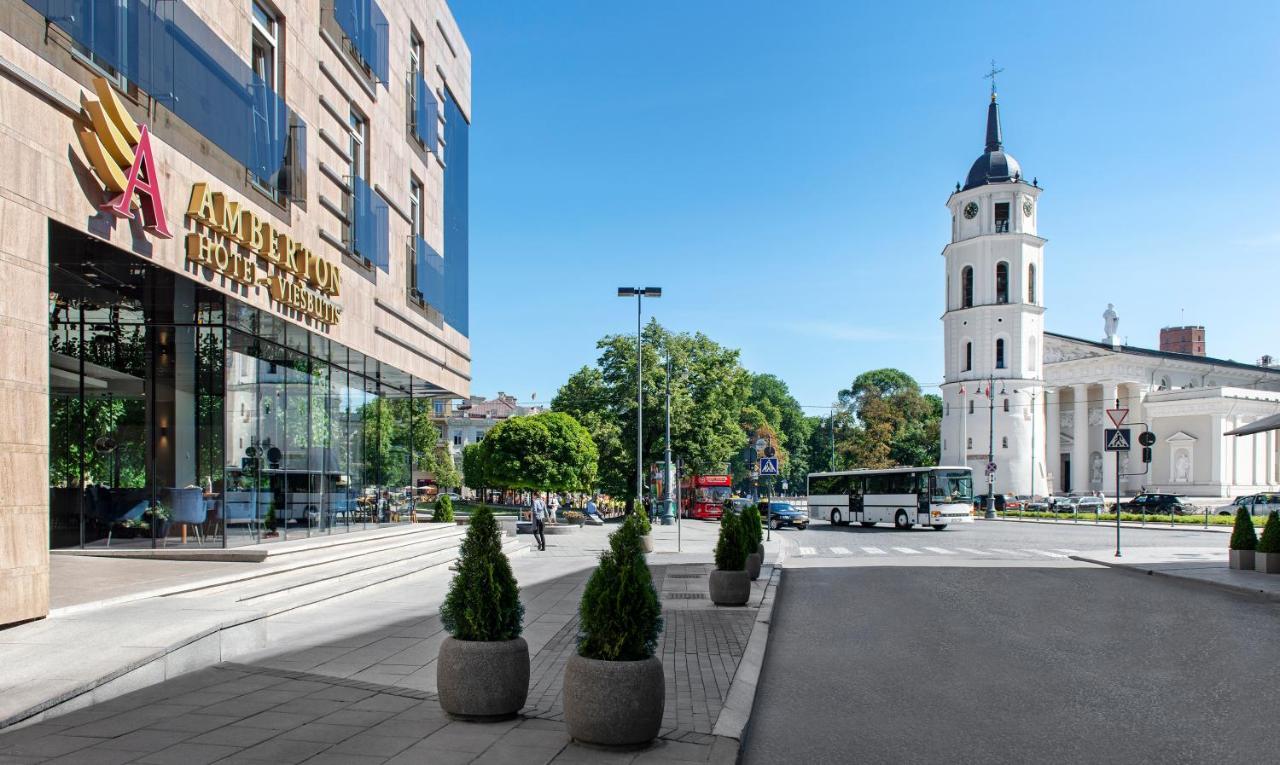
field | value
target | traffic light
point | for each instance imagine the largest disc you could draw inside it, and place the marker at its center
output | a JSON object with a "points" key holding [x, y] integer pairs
{"points": [[1146, 438], [1146, 454]]}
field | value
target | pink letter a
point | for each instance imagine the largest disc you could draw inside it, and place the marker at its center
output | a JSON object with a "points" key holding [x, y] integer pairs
{"points": [[143, 181]]}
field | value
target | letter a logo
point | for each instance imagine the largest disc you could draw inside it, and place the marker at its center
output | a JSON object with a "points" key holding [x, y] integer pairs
{"points": [[115, 144]]}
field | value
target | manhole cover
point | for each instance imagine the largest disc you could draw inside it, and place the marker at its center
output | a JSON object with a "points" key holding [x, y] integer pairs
{"points": [[685, 595], [686, 576]]}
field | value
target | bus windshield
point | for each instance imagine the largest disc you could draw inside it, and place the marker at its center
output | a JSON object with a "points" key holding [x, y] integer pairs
{"points": [[952, 486], [713, 494]]}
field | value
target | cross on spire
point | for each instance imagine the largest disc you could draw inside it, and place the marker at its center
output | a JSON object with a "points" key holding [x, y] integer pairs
{"points": [[992, 76]]}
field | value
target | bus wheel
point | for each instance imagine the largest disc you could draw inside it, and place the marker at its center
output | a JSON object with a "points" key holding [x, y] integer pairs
{"points": [[835, 518], [868, 524], [900, 520], [940, 527]]}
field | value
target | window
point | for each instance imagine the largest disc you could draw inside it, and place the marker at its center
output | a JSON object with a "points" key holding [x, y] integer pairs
{"points": [[966, 287], [1004, 442], [1000, 353], [457, 439], [1002, 217], [968, 357], [970, 406], [357, 138], [1002, 282], [438, 405], [1031, 283], [948, 408], [1006, 404], [415, 73], [970, 444], [265, 61]]}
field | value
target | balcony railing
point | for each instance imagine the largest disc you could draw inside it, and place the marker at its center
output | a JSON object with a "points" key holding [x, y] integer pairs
{"points": [[366, 28], [369, 225]]}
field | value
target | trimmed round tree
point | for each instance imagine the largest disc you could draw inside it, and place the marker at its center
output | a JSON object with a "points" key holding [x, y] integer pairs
{"points": [[731, 547], [443, 512], [1244, 536], [1270, 542], [483, 601], [621, 617]]}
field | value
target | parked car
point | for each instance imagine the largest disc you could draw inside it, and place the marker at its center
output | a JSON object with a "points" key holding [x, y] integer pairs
{"points": [[735, 505], [1004, 502], [1038, 504], [786, 514], [1060, 504], [1258, 504], [1159, 504], [1089, 505]]}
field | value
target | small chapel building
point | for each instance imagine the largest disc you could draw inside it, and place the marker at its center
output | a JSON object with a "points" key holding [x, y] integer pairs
{"points": [[1029, 405]]}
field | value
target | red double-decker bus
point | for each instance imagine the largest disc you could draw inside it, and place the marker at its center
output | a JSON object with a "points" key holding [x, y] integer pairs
{"points": [[703, 496]]}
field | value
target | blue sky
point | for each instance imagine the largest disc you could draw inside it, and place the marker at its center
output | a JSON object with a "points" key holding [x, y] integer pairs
{"points": [[781, 170]]}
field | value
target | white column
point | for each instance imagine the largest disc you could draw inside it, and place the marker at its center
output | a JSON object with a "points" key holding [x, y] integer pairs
{"points": [[1217, 455], [1052, 440], [1109, 459], [1080, 437]]}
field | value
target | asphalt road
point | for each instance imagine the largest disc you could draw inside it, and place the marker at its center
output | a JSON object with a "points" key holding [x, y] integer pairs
{"points": [[879, 664]]}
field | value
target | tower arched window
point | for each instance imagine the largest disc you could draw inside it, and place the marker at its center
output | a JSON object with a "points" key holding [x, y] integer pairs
{"points": [[1031, 283], [1004, 442], [970, 406], [1006, 404], [1000, 353], [966, 287], [968, 357], [1002, 282]]}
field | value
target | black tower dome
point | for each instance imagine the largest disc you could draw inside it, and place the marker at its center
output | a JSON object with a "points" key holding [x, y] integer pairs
{"points": [[994, 166]]}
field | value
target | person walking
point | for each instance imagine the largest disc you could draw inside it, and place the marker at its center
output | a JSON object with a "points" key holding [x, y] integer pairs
{"points": [[553, 508], [539, 513]]}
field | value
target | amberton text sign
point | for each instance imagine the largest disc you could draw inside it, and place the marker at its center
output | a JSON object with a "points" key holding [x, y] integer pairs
{"points": [[310, 278]]}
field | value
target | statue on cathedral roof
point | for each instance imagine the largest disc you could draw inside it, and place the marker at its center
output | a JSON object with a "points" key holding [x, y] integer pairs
{"points": [[1111, 319]]}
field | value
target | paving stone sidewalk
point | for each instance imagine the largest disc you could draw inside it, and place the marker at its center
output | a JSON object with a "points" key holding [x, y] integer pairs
{"points": [[369, 697]]}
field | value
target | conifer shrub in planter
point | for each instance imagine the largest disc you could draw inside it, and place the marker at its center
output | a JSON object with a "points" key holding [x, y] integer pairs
{"points": [[646, 529], [730, 585], [614, 690], [482, 672], [443, 512], [755, 540], [1244, 540], [1267, 557]]}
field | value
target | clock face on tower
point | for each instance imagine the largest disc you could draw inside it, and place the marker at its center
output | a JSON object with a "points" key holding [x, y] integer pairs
{"points": [[1027, 207], [971, 210]]}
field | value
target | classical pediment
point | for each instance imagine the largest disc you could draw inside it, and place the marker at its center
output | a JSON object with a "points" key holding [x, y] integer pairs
{"points": [[1181, 435], [1057, 350]]}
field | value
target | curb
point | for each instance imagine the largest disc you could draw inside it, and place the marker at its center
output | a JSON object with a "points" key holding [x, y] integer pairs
{"points": [[736, 711], [1137, 568], [1112, 524]]}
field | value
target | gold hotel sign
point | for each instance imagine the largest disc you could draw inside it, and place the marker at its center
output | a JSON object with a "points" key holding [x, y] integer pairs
{"points": [[300, 279]]}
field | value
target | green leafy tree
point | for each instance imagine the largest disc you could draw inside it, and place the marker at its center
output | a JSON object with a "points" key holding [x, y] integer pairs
{"points": [[483, 601], [474, 473], [1270, 542], [621, 617], [1244, 536], [731, 547], [543, 452], [895, 423], [444, 470], [708, 389]]}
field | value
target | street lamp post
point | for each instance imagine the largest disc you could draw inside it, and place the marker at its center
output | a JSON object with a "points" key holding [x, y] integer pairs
{"points": [[640, 293], [668, 513]]}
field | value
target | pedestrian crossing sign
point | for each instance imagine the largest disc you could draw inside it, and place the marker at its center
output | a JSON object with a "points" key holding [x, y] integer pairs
{"points": [[1117, 439], [768, 466]]}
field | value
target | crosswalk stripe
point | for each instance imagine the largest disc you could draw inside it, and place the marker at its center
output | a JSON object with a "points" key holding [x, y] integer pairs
{"points": [[1047, 553], [874, 551], [807, 551], [841, 551], [939, 551], [972, 551], [1014, 553], [907, 551]]}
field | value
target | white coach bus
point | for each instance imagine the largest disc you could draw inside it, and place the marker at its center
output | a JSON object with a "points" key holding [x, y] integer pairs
{"points": [[934, 496]]}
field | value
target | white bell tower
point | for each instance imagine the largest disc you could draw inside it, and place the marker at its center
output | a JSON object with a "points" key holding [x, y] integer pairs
{"points": [[993, 399]]}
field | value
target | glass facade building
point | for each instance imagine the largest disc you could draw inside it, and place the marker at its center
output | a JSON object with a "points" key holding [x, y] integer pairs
{"points": [[211, 335]]}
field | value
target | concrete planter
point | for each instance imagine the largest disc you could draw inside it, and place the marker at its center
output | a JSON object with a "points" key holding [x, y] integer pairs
{"points": [[1242, 560], [729, 588], [753, 566], [613, 703], [483, 680], [647, 541], [1267, 563], [560, 528]]}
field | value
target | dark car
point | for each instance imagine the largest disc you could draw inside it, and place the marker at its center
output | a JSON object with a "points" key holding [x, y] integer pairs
{"points": [[1003, 502], [786, 514], [1159, 504]]}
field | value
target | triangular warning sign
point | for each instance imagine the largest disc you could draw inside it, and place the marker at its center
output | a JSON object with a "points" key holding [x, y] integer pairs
{"points": [[1118, 441], [1118, 415]]}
